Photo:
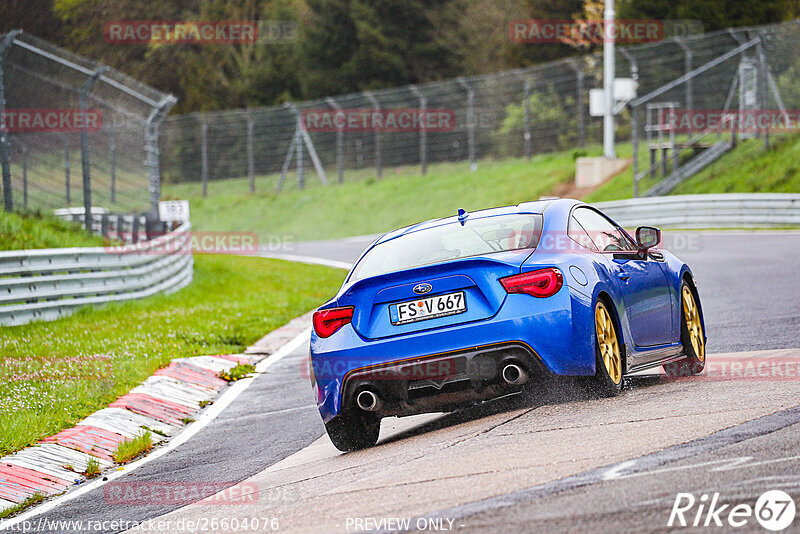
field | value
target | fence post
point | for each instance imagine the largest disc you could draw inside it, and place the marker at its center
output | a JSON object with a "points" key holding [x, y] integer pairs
{"points": [[66, 169], [251, 170], [527, 105], [579, 102], [152, 136], [635, 145], [423, 133], [378, 153], [339, 142], [24, 177], [763, 72], [473, 165], [112, 147], [5, 157], [83, 100], [687, 61], [204, 157]]}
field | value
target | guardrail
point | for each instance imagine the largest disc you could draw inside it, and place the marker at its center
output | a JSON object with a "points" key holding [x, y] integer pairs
{"points": [[51, 283], [732, 210]]}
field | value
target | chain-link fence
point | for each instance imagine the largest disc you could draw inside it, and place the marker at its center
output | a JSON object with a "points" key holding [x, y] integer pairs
{"points": [[509, 114], [76, 133]]}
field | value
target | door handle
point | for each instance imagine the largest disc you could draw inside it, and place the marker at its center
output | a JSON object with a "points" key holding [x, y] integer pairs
{"points": [[623, 276]]}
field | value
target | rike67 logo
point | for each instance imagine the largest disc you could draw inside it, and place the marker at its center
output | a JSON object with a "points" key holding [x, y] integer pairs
{"points": [[774, 510]]}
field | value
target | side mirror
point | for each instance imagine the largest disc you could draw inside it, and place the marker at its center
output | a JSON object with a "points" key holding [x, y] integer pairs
{"points": [[647, 237]]}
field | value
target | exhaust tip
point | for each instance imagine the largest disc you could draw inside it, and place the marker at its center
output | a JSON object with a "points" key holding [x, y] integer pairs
{"points": [[368, 401], [514, 375]]}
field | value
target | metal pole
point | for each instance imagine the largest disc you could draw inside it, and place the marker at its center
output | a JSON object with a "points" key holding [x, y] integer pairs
{"points": [[423, 134], [113, 158], [378, 152], [66, 168], [579, 103], [152, 133], [301, 171], [635, 143], [24, 177], [5, 157], [473, 164], [527, 134], [204, 157], [608, 79], [339, 142], [251, 170], [762, 84], [687, 69], [83, 99]]}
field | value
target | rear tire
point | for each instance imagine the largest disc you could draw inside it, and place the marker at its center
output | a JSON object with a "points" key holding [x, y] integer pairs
{"points": [[693, 338], [607, 381], [351, 431]]}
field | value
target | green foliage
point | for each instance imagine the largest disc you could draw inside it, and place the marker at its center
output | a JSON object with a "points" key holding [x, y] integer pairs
{"points": [[92, 468], [20, 231], [17, 508], [133, 448], [53, 374], [241, 370]]}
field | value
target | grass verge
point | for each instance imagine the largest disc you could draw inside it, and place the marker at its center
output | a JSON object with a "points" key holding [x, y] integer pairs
{"points": [[133, 448], [241, 370], [20, 231], [56, 373], [30, 501], [363, 205]]}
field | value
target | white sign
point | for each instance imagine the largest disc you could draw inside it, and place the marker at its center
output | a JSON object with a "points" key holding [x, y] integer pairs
{"points": [[624, 91], [173, 210]]}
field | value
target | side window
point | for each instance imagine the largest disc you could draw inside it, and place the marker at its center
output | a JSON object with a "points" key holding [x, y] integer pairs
{"points": [[603, 233], [579, 235]]}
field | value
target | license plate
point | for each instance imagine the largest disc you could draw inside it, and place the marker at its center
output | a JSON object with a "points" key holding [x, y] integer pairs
{"points": [[428, 308]]}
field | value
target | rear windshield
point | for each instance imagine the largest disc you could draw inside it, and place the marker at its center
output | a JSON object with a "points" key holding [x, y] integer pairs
{"points": [[451, 241]]}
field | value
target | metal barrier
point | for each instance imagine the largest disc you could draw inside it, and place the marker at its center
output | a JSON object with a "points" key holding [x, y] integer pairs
{"points": [[742, 210], [51, 283]]}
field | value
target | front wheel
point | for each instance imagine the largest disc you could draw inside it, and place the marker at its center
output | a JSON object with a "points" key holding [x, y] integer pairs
{"points": [[351, 431], [607, 380], [693, 338]]}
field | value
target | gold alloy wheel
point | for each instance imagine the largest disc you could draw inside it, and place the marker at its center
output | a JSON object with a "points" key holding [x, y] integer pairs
{"points": [[607, 341], [693, 324]]}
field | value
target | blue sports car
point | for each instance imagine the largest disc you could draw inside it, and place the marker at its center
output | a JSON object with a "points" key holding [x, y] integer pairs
{"points": [[459, 310]]}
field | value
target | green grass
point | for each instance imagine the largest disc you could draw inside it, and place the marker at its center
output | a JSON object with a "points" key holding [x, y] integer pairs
{"points": [[53, 374], [133, 448], [241, 370], [92, 468], [751, 169], [30, 501], [363, 205], [30, 230], [748, 168]]}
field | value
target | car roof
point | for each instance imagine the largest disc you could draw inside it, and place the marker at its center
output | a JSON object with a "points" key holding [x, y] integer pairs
{"points": [[536, 206]]}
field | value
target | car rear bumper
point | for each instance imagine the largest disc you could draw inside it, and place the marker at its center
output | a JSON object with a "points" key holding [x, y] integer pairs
{"points": [[551, 336]]}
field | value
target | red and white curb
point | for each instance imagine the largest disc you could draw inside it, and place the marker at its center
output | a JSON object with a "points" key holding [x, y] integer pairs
{"points": [[161, 404]]}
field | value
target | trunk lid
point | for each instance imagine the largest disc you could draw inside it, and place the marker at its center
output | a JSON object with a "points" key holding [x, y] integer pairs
{"points": [[476, 277]]}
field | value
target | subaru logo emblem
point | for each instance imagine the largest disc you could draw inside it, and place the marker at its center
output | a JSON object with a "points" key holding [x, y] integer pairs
{"points": [[421, 289]]}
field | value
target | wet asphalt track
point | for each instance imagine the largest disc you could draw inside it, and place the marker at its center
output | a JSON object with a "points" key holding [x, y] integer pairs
{"points": [[750, 289]]}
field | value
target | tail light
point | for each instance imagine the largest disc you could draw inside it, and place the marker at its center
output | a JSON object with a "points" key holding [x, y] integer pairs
{"points": [[327, 322], [541, 283]]}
